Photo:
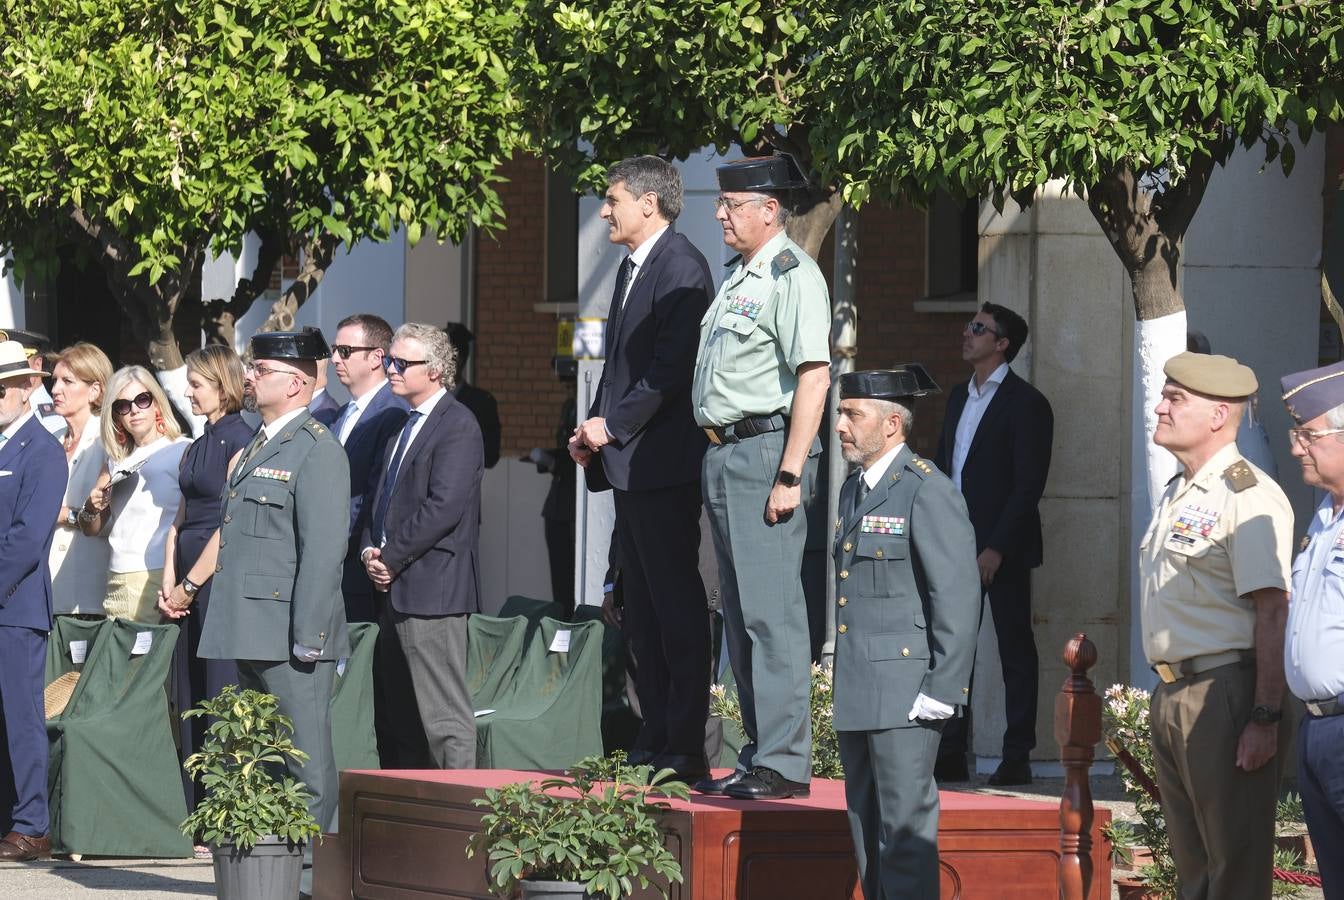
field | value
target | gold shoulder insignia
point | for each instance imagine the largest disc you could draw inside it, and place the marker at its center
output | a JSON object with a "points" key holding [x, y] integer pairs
{"points": [[1240, 476], [785, 260]]}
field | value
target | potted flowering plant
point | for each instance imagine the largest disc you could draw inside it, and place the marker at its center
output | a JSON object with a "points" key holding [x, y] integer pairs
{"points": [[825, 744], [1126, 725]]}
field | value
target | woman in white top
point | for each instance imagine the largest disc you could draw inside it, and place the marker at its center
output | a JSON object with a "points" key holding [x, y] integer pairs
{"points": [[137, 492], [79, 562]]}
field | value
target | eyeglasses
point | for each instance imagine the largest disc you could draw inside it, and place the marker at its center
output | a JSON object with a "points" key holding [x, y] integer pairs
{"points": [[732, 206], [141, 400], [261, 371], [345, 350], [3, 390], [401, 365], [1306, 437], [979, 328]]}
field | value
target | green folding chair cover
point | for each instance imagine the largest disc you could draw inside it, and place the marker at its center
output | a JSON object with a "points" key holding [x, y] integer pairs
{"points": [[494, 652], [552, 717], [530, 608], [620, 725], [353, 741], [114, 782]]}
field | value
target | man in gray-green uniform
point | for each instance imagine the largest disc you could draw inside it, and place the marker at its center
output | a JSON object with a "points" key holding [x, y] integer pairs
{"points": [[908, 611], [761, 379], [276, 604]]}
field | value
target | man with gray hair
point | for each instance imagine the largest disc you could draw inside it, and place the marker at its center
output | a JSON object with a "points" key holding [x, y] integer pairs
{"points": [[641, 439], [429, 499]]}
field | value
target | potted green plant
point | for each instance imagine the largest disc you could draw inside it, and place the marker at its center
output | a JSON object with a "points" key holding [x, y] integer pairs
{"points": [[590, 833], [255, 822], [1126, 724], [723, 703]]}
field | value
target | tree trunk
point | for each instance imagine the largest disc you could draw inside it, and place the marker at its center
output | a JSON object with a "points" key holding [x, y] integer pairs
{"points": [[844, 347], [809, 226]]}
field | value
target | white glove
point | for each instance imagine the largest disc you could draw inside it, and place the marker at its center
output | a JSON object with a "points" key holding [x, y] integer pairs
{"points": [[305, 654], [928, 708]]}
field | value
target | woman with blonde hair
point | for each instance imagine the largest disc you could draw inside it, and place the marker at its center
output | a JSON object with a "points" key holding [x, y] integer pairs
{"points": [[137, 492], [78, 562]]}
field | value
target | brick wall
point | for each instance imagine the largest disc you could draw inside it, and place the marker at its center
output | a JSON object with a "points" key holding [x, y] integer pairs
{"points": [[515, 344]]}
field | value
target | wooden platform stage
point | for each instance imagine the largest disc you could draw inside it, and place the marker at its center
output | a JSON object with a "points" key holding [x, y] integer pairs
{"points": [[403, 835]]}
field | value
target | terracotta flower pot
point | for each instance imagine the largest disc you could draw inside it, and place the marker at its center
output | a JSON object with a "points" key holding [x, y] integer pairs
{"points": [[1131, 888], [1299, 844]]}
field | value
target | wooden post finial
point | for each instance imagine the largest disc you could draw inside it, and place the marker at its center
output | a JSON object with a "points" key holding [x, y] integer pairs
{"points": [[1078, 730]]}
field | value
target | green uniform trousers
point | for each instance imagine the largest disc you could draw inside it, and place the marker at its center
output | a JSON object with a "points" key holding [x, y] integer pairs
{"points": [[1220, 818], [764, 611], [893, 809]]}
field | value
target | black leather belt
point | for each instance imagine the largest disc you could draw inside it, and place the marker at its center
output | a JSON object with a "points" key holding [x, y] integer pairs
{"points": [[751, 426], [1324, 708]]}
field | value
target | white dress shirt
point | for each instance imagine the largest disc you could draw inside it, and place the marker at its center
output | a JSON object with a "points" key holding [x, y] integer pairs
{"points": [[977, 401], [1313, 655], [361, 403], [279, 424]]}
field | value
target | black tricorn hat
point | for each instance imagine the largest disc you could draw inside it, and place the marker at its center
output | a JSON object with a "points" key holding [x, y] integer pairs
{"points": [[903, 382], [761, 173], [31, 340], [306, 344]]}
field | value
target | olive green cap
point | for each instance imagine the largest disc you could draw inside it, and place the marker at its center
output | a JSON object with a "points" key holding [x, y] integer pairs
{"points": [[1211, 374]]}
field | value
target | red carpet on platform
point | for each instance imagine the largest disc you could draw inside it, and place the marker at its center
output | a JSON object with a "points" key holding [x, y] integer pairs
{"points": [[403, 834]]}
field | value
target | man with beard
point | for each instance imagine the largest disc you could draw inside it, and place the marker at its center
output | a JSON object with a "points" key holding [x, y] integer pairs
{"points": [[907, 614]]}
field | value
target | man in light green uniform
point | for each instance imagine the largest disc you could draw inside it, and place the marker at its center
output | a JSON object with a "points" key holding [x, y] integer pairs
{"points": [[761, 380], [276, 605], [907, 616]]}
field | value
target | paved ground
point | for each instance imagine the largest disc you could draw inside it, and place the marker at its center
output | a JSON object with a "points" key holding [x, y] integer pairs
{"points": [[121, 879]]}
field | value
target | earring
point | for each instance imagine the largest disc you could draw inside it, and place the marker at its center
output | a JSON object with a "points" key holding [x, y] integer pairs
{"points": [[158, 419], [122, 437]]}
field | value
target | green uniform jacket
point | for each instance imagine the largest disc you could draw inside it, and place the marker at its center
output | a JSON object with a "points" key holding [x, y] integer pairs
{"points": [[281, 550], [907, 596]]}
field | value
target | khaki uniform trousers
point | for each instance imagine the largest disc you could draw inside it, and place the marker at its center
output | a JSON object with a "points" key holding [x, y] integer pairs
{"points": [[1220, 818]]}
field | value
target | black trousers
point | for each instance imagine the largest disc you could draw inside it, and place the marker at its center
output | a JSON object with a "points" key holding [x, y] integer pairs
{"points": [[1010, 604], [666, 622]]}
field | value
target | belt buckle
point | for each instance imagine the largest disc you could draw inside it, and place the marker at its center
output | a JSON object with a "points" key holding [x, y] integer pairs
{"points": [[1168, 674]]}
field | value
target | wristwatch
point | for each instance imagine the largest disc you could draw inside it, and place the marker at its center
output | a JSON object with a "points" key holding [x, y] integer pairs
{"points": [[72, 518], [788, 479], [1263, 715], [190, 587]]}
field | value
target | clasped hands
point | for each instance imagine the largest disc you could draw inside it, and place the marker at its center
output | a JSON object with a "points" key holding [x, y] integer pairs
{"points": [[379, 572], [590, 437], [173, 601]]}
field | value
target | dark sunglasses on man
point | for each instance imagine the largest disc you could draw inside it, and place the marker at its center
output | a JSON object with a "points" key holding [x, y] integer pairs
{"points": [[979, 328], [401, 365], [344, 350], [141, 400]]}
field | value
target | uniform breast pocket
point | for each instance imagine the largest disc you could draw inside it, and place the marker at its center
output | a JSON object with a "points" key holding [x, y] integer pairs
{"points": [[1332, 587], [876, 558], [266, 510], [736, 346]]}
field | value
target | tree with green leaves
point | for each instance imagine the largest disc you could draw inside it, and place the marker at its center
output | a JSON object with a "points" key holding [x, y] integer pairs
{"points": [[1132, 104], [143, 137]]}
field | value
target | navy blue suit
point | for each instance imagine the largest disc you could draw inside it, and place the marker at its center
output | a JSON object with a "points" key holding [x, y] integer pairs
{"points": [[324, 405], [365, 448], [653, 463], [32, 484], [1002, 480]]}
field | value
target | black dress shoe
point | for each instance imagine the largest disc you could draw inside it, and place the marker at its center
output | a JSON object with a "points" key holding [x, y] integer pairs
{"points": [[1009, 774], [639, 757], [767, 784], [686, 768], [951, 769], [718, 785]]}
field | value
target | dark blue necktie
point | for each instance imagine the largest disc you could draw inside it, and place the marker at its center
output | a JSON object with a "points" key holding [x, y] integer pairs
{"points": [[390, 482]]}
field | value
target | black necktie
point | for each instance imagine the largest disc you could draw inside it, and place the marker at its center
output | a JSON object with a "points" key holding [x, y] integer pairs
{"points": [[393, 469], [618, 298], [860, 492], [258, 441]]}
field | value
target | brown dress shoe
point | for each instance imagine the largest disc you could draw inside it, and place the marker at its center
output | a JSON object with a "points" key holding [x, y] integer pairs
{"points": [[24, 847]]}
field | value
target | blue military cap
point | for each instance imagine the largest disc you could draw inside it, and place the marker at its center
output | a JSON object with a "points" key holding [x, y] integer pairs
{"points": [[306, 344], [1315, 391], [903, 382], [761, 173]]}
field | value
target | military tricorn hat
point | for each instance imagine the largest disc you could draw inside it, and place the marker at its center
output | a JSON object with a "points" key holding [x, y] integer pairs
{"points": [[32, 341], [761, 173], [306, 344], [1212, 375], [904, 382], [1315, 391]]}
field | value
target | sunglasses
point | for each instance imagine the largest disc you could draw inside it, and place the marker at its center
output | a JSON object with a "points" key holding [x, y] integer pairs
{"points": [[979, 328], [122, 407], [401, 365], [346, 349]]}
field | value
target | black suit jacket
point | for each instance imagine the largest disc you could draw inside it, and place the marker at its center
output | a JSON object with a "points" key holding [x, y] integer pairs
{"points": [[433, 519], [645, 391], [483, 406], [1005, 471], [380, 421]]}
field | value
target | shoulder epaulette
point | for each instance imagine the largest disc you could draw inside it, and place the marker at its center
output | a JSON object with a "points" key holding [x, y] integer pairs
{"points": [[920, 467], [785, 260], [1240, 476], [315, 427]]}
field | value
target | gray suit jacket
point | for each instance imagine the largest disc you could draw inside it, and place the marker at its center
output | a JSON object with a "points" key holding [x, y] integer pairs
{"points": [[282, 542], [907, 596]]}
